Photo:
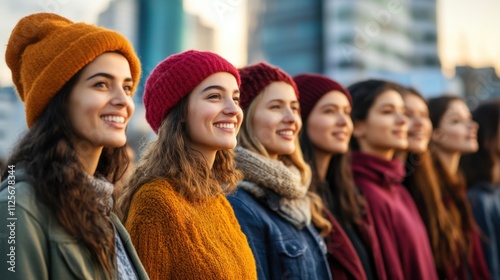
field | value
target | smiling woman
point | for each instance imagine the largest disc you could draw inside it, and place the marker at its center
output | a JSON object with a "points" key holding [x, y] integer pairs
{"points": [[76, 81], [272, 203], [380, 129], [174, 205]]}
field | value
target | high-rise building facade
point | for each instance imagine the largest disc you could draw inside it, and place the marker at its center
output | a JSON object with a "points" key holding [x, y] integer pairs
{"points": [[287, 33], [350, 40]]}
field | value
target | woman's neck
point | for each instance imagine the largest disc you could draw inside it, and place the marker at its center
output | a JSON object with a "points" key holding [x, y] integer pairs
{"points": [[89, 158], [322, 160], [450, 160]]}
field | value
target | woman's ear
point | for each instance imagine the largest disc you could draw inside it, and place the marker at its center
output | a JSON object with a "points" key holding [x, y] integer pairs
{"points": [[437, 136], [359, 129]]}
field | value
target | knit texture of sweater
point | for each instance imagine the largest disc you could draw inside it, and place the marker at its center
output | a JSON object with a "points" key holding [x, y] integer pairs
{"points": [[178, 239]]}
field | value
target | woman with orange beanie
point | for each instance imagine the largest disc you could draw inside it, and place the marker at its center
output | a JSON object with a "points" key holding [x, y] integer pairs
{"points": [[174, 205], [272, 203], [76, 81]]}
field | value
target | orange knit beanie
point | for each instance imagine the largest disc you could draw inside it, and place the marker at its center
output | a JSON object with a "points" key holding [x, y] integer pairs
{"points": [[46, 50]]}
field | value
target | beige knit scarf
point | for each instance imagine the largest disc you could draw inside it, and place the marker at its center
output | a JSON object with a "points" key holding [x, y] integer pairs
{"points": [[276, 185]]}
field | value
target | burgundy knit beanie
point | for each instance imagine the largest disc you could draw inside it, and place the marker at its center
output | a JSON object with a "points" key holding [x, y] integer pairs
{"points": [[312, 87], [255, 78], [175, 77]]}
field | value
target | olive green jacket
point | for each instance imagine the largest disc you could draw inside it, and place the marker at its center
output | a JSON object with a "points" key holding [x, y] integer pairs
{"points": [[33, 245]]}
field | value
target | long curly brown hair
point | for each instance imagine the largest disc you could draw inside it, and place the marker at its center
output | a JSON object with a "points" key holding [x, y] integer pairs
{"points": [[53, 169], [170, 157]]}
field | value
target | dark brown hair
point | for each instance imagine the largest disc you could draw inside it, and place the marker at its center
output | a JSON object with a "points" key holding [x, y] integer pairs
{"points": [[364, 94], [339, 194], [478, 166], [59, 180]]}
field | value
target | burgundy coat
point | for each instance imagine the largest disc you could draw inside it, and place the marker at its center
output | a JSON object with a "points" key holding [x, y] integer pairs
{"points": [[342, 257], [402, 235]]}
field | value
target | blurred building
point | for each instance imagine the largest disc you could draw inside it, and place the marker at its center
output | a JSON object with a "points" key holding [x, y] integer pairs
{"points": [[287, 33], [122, 16], [155, 27], [350, 40], [478, 84], [198, 35], [12, 120]]}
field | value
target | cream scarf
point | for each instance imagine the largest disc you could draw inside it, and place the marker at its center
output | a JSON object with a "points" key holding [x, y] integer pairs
{"points": [[276, 185]]}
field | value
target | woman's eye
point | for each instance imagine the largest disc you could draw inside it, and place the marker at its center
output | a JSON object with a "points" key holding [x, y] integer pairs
{"points": [[214, 96], [236, 100], [128, 89], [100, 84]]}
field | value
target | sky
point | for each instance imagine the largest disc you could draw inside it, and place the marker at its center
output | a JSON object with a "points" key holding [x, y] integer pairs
{"points": [[468, 33], [467, 29]]}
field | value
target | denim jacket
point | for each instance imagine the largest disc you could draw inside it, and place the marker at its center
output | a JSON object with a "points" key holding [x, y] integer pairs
{"points": [[280, 249]]}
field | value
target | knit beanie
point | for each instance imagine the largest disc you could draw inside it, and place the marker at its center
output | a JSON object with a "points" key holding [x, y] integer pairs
{"points": [[46, 50], [312, 87], [255, 78], [175, 77]]}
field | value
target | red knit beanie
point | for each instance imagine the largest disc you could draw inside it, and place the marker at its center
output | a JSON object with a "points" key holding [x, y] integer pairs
{"points": [[312, 87], [175, 77], [255, 78]]}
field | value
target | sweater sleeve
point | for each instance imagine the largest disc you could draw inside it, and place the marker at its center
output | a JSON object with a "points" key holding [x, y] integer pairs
{"points": [[23, 246], [148, 226], [253, 228]]}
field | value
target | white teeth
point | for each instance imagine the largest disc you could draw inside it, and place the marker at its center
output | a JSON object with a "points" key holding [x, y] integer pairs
{"points": [[116, 119], [286, 132], [224, 125]]}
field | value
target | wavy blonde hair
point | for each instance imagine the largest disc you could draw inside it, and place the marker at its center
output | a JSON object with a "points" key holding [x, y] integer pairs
{"points": [[247, 139], [170, 157]]}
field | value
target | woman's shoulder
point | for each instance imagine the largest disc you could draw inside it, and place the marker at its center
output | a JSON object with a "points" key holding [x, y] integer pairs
{"points": [[243, 199], [156, 199], [155, 188], [21, 196], [244, 204], [250, 210]]}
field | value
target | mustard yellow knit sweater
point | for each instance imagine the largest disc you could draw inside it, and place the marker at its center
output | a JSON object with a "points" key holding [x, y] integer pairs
{"points": [[176, 239]]}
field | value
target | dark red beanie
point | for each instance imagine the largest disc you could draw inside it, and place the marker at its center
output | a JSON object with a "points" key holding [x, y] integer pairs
{"points": [[312, 87], [175, 77], [255, 78]]}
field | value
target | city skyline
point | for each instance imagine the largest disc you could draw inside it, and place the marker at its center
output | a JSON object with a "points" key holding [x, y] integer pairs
{"points": [[465, 28]]}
